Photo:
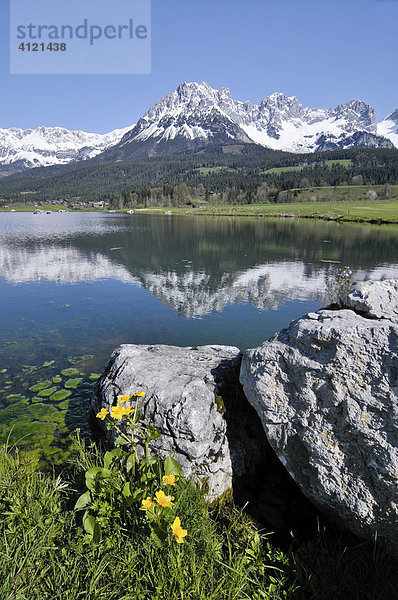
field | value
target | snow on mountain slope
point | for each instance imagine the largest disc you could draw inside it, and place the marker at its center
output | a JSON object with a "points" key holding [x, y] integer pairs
{"points": [[193, 111], [47, 146], [195, 115], [198, 112], [388, 128]]}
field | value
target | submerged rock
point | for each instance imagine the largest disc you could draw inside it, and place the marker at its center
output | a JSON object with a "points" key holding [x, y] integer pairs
{"points": [[326, 392], [194, 398]]}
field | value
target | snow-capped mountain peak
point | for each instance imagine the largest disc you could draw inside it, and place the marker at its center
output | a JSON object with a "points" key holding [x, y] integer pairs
{"points": [[46, 146], [196, 113], [389, 127], [359, 114]]}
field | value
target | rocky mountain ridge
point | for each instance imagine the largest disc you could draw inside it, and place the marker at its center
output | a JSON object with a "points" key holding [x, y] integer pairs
{"points": [[196, 115]]}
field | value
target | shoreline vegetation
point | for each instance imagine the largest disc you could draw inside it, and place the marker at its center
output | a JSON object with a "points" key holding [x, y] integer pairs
{"points": [[383, 212], [378, 213], [344, 204], [46, 556]]}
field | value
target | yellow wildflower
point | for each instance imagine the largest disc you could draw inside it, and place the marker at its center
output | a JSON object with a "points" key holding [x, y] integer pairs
{"points": [[177, 530], [118, 412], [164, 500], [141, 394], [147, 504], [128, 410], [124, 398], [102, 413], [169, 479]]}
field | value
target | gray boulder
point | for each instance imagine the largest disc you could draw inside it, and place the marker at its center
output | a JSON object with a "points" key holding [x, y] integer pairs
{"points": [[326, 392], [188, 391], [375, 299]]}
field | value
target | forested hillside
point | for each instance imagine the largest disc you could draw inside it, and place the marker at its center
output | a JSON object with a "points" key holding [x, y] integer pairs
{"points": [[235, 174]]}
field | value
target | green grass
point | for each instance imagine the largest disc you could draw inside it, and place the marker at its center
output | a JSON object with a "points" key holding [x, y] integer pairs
{"points": [[19, 207], [343, 162], [225, 557], [344, 203], [207, 170], [43, 556], [277, 170]]}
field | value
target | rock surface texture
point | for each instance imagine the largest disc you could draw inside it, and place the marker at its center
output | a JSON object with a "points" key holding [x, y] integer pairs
{"points": [[326, 392], [185, 392]]}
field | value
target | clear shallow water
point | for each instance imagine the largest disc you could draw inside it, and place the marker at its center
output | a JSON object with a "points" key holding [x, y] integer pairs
{"points": [[75, 285]]}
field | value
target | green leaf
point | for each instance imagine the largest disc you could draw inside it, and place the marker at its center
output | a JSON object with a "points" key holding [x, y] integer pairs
{"points": [[126, 492], [157, 534], [149, 461], [48, 363], [94, 475], [172, 467], [121, 441], [130, 463], [157, 468], [92, 527], [112, 456], [153, 433], [89, 523], [83, 501], [98, 472]]}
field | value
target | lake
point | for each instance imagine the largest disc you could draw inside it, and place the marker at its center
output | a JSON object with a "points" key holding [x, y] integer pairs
{"points": [[73, 286]]}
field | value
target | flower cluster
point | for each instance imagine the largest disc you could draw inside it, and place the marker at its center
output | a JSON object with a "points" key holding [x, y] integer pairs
{"points": [[158, 510], [164, 501], [119, 411]]}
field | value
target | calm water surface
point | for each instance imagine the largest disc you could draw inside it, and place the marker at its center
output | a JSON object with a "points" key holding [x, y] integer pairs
{"points": [[74, 286]]}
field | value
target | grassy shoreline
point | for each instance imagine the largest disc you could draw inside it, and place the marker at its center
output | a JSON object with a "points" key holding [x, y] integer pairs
{"points": [[376, 212]]}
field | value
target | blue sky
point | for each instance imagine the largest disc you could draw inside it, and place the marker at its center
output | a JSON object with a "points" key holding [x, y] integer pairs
{"points": [[324, 52]]}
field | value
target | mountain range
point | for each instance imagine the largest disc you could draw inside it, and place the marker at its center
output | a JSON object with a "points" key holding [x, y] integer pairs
{"points": [[195, 116]]}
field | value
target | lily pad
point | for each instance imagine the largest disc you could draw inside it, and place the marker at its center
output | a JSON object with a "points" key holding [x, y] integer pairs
{"points": [[42, 385], [48, 363], [94, 376], [3, 371], [63, 405], [57, 379], [73, 383], [70, 372], [60, 395], [48, 392]]}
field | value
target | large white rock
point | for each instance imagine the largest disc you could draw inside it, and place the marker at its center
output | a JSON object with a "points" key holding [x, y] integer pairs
{"points": [[375, 299], [326, 392], [185, 390]]}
